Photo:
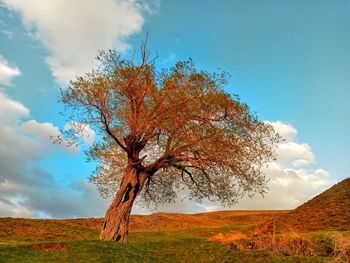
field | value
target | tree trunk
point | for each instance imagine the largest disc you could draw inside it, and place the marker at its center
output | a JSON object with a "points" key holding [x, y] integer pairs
{"points": [[116, 222]]}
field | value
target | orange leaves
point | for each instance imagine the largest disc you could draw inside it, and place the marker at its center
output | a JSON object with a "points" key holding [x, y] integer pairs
{"points": [[178, 118]]}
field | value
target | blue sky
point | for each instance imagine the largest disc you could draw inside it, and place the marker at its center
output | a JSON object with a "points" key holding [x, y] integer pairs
{"points": [[288, 60]]}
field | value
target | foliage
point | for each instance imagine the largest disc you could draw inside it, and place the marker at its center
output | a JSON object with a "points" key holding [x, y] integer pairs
{"points": [[177, 127], [341, 248]]}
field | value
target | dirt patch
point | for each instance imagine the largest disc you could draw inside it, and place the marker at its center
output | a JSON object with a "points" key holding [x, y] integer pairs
{"points": [[52, 246]]}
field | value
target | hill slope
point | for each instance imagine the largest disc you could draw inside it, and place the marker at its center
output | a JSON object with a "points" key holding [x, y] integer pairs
{"points": [[160, 237], [23, 229], [329, 210]]}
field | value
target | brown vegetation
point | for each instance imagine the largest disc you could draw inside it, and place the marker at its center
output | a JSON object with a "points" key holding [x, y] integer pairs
{"points": [[329, 210], [287, 234], [85, 228], [341, 249], [51, 246], [166, 130], [286, 245]]}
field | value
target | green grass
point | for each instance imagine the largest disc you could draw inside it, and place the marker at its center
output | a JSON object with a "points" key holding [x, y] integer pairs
{"points": [[18, 236], [175, 237], [163, 246]]}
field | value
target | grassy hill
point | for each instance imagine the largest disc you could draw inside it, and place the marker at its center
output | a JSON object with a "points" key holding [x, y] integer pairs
{"points": [[329, 210], [320, 226], [160, 237], [23, 229], [224, 236]]}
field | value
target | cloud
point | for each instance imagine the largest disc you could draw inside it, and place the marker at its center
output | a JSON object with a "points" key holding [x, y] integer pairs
{"points": [[293, 180], [11, 111], [8, 34], [14, 209], [289, 187], [26, 189], [295, 154], [81, 130], [7, 72], [80, 199], [285, 130], [74, 31], [45, 133]]}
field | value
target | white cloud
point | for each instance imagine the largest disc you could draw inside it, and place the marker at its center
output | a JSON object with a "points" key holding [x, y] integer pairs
{"points": [[81, 130], [42, 131], [289, 187], [285, 130], [11, 111], [73, 31], [7, 72], [23, 182], [290, 152], [21, 135], [294, 153], [13, 209], [12, 115], [292, 180], [46, 133]]}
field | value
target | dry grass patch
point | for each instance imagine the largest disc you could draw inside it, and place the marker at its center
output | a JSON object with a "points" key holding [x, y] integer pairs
{"points": [[285, 245], [228, 238], [52, 246], [341, 249], [329, 211]]}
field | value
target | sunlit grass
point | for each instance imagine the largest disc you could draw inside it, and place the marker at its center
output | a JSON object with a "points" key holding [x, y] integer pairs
{"points": [[190, 244]]}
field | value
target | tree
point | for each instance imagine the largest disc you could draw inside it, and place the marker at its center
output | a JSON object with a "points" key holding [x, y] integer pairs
{"points": [[165, 130]]}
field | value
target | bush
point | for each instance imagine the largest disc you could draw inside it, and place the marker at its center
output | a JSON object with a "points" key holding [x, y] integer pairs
{"points": [[341, 249], [285, 245]]}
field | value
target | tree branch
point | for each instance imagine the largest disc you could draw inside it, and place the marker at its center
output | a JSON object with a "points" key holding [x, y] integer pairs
{"points": [[109, 132]]}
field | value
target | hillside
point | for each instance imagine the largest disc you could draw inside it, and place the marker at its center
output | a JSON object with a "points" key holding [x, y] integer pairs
{"points": [[329, 210], [160, 237], [23, 229]]}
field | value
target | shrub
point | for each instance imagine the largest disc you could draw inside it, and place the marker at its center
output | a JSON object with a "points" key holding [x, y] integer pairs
{"points": [[285, 245], [341, 249]]}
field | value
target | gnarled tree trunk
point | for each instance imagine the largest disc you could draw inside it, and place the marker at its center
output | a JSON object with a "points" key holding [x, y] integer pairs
{"points": [[116, 221]]}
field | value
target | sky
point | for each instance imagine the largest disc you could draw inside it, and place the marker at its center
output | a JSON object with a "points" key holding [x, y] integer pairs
{"points": [[288, 60]]}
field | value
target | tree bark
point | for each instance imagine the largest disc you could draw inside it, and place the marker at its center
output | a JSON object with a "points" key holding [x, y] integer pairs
{"points": [[116, 221]]}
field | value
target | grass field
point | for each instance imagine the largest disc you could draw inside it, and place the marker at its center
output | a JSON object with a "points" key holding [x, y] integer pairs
{"points": [[156, 238]]}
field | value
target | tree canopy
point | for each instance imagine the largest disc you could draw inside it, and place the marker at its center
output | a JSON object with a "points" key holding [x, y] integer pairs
{"points": [[177, 126]]}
